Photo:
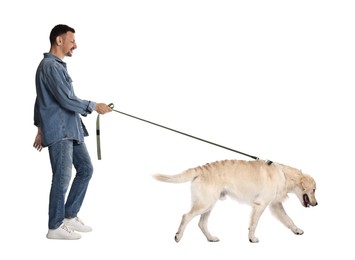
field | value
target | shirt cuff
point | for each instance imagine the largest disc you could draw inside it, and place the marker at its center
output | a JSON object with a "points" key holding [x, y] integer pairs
{"points": [[91, 106]]}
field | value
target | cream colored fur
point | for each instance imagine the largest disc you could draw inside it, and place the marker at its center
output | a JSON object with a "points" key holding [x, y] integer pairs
{"points": [[252, 182]]}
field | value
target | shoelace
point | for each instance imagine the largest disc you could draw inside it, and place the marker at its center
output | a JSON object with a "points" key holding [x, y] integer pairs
{"points": [[67, 229], [80, 221]]}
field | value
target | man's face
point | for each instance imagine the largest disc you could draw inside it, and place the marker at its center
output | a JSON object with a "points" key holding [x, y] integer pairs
{"points": [[69, 44]]}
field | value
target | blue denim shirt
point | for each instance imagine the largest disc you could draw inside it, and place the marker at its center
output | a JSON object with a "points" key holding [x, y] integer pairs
{"points": [[57, 110]]}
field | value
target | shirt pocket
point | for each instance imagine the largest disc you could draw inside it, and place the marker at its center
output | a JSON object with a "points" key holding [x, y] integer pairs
{"points": [[68, 78]]}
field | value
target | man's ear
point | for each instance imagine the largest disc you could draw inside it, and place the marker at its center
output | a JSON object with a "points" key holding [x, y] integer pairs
{"points": [[59, 40]]}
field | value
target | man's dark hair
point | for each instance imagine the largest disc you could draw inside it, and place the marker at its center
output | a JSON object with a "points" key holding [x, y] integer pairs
{"points": [[59, 30]]}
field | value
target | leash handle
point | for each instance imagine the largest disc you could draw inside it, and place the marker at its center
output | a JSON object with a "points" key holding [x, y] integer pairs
{"points": [[98, 142]]}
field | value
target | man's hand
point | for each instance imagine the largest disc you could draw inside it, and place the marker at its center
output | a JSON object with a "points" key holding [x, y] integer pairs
{"points": [[102, 108], [38, 141]]}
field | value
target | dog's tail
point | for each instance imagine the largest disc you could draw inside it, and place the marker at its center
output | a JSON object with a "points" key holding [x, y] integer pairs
{"points": [[185, 176]]}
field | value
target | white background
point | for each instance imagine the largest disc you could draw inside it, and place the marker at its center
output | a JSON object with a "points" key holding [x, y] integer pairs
{"points": [[269, 78]]}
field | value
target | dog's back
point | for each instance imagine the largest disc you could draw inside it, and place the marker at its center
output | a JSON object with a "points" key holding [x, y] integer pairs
{"points": [[238, 178]]}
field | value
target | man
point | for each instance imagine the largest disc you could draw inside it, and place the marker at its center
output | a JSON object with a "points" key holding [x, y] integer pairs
{"points": [[57, 116]]}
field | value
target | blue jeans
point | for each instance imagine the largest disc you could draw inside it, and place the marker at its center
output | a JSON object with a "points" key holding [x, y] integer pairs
{"points": [[63, 155]]}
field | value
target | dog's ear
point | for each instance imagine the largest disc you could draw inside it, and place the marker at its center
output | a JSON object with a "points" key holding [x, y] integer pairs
{"points": [[306, 182], [303, 183]]}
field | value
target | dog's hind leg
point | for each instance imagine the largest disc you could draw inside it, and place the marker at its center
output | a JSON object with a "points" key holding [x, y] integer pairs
{"points": [[203, 226], [197, 209], [279, 212], [258, 209]]}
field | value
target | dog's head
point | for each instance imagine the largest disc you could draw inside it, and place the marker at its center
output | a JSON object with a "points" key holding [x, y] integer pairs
{"points": [[305, 191]]}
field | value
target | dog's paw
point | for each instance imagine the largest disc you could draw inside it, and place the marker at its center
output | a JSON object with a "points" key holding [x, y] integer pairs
{"points": [[253, 240], [297, 231], [177, 237], [213, 239]]}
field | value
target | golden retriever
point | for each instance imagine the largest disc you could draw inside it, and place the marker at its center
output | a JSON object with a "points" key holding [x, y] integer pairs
{"points": [[258, 183]]}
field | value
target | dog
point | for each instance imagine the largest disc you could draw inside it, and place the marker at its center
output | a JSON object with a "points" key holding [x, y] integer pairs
{"points": [[258, 183]]}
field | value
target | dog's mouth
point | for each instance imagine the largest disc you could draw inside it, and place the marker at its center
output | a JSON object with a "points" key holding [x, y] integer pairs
{"points": [[306, 201]]}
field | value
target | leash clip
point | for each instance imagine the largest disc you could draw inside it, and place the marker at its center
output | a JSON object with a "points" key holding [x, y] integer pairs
{"points": [[268, 162]]}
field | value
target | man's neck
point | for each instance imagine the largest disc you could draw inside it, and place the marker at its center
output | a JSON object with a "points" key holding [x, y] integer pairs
{"points": [[57, 52]]}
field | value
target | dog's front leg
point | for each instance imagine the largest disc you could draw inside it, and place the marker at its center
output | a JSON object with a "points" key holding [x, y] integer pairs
{"points": [[279, 212], [258, 209]]}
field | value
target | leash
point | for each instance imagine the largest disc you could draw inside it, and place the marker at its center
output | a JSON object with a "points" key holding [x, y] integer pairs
{"points": [[176, 131], [98, 142]]}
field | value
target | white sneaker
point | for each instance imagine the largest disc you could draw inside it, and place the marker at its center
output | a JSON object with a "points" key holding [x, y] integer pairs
{"points": [[77, 224], [63, 232]]}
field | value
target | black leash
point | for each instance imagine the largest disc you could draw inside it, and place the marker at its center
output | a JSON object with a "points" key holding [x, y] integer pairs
{"points": [[203, 140]]}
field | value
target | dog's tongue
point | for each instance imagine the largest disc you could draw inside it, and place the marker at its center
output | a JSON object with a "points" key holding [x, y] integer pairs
{"points": [[306, 200]]}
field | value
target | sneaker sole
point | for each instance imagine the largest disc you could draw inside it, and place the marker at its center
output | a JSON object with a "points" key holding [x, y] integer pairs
{"points": [[76, 237]]}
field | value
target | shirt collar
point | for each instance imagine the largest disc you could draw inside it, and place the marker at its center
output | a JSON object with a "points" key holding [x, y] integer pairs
{"points": [[52, 56]]}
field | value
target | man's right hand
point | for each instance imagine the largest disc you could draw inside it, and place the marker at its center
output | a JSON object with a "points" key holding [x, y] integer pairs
{"points": [[102, 108]]}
